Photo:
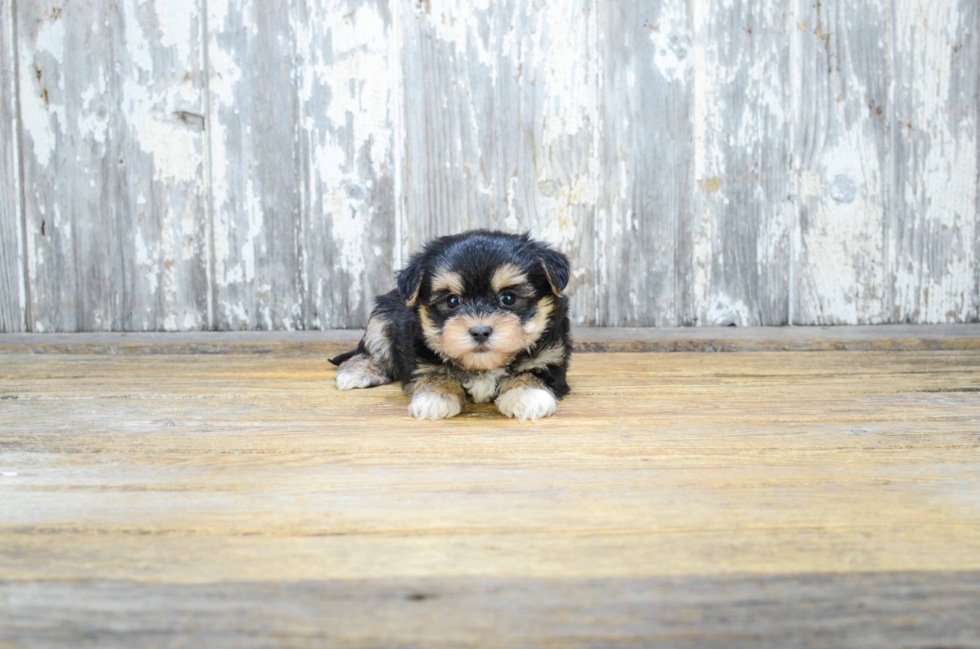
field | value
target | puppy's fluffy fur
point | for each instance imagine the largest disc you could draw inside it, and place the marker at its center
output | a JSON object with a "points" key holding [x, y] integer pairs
{"points": [[477, 316]]}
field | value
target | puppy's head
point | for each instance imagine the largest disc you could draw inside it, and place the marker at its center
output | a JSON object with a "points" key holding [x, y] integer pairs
{"points": [[482, 297]]}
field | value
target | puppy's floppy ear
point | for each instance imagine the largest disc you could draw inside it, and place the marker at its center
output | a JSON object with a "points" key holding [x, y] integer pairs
{"points": [[410, 280], [556, 267]]}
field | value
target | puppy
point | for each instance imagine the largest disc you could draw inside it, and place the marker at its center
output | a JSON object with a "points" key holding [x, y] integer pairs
{"points": [[479, 316]]}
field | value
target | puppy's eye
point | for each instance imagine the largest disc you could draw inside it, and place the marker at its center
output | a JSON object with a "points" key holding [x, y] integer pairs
{"points": [[508, 299], [453, 301]]}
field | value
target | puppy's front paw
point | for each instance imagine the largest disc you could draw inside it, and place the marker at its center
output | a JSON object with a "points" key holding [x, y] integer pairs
{"points": [[527, 403], [359, 372], [429, 404]]}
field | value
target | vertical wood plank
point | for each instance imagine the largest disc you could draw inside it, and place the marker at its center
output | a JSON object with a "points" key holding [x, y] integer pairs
{"points": [[67, 205], [12, 287], [255, 166], [842, 146], [935, 231], [160, 189], [645, 162], [302, 174], [112, 114], [500, 113], [346, 138], [740, 235]]}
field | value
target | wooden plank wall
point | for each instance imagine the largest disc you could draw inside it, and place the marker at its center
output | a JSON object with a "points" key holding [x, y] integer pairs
{"points": [[12, 285], [114, 176], [212, 164]]}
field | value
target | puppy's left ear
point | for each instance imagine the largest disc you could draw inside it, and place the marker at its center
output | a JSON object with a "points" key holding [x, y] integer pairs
{"points": [[410, 280], [556, 268]]}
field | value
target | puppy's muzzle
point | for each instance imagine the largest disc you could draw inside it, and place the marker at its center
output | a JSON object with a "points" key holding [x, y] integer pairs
{"points": [[481, 333]]}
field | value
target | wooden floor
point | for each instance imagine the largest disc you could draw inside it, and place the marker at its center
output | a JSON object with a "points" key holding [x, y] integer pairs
{"points": [[752, 499]]}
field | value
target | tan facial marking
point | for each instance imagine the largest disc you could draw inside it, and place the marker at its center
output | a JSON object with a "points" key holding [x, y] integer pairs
{"points": [[447, 280], [505, 341], [507, 275], [508, 338], [429, 329], [536, 325]]}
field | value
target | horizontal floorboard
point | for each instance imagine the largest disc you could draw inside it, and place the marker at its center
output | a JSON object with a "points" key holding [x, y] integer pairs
{"points": [[891, 609], [755, 499]]}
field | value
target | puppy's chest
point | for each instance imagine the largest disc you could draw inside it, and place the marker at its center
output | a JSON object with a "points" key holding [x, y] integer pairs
{"points": [[482, 386]]}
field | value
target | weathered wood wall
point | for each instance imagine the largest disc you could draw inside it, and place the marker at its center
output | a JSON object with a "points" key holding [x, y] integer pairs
{"points": [[218, 164], [12, 285]]}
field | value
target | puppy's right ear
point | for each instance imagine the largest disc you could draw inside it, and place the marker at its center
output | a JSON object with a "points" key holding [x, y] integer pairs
{"points": [[556, 267], [410, 280]]}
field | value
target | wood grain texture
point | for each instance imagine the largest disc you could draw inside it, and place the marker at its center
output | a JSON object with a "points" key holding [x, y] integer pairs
{"points": [[65, 296], [935, 232], [645, 164], [195, 165], [302, 162], [842, 148], [775, 499], [12, 287], [500, 110], [112, 101], [255, 166], [901, 609], [347, 139], [158, 182], [742, 149]]}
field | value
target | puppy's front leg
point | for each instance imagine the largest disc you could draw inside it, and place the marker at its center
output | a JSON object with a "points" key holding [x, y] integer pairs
{"points": [[524, 397], [436, 396]]}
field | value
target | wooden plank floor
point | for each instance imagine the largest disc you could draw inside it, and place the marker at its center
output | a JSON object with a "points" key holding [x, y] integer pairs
{"points": [[755, 499]]}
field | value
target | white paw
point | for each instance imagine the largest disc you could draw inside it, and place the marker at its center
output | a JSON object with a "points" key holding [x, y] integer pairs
{"points": [[527, 403], [427, 404], [359, 372], [351, 379]]}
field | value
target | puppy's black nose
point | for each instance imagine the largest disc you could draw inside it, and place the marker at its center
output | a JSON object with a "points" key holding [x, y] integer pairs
{"points": [[480, 333]]}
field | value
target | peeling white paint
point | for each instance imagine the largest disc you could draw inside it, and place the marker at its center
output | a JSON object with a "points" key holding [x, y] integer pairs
{"points": [[512, 223], [843, 247], [514, 138], [13, 312], [563, 208], [724, 310], [225, 72], [42, 113], [358, 120], [706, 120], [149, 107], [146, 263], [462, 24], [225, 77], [175, 19], [93, 124], [671, 41], [936, 266], [176, 150]]}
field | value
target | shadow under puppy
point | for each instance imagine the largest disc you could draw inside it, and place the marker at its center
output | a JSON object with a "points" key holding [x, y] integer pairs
{"points": [[478, 315]]}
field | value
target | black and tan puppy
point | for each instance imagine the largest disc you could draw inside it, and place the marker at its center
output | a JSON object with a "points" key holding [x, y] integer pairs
{"points": [[478, 315]]}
